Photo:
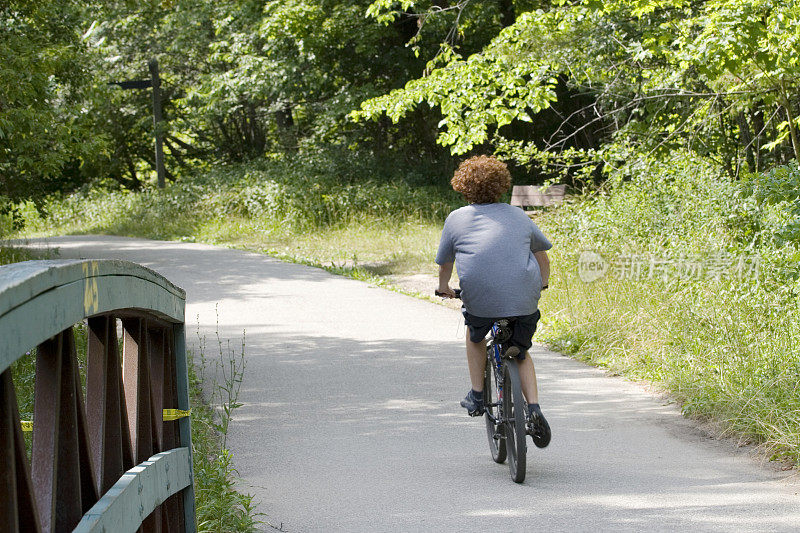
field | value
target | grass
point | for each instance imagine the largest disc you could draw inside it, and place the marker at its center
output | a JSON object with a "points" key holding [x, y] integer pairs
{"points": [[724, 357]]}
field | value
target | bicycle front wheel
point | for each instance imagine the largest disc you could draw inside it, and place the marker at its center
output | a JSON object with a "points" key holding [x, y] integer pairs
{"points": [[514, 409], [494, 429]]}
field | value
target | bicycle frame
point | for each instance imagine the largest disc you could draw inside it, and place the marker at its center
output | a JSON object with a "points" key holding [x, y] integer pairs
{"points": [[497, 361]]}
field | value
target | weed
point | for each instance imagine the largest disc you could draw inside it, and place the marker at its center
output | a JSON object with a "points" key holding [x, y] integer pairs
{"points": [[220, 506]]}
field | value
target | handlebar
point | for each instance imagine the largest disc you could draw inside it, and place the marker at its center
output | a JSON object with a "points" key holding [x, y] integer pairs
{"points": [[443, 295]]}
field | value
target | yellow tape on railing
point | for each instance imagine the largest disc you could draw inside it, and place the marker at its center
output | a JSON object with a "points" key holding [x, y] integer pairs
{"points": [[169, 414], [175, 414]]}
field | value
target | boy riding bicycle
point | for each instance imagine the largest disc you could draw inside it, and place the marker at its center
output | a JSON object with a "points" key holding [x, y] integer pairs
{"points": [[502, 266]]}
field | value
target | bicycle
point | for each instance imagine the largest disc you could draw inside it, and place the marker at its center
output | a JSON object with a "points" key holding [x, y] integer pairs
{"points": [[506, 418]]}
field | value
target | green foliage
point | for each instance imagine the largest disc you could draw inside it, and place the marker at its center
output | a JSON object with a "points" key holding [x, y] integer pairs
{"points": [[240, 80], [654, 205], [487, 89], [716, 78], [562, 86], [295, 194], [775, 196], [220, 507], [46, 93]]}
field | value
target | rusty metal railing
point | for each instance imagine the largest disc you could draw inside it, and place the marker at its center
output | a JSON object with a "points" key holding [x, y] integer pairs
{"points": [[112, 460]]}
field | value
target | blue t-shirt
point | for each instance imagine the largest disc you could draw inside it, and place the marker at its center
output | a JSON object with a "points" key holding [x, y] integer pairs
{"points": [[492, 246]]}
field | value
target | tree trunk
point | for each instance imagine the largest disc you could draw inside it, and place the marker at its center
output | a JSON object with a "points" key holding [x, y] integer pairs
{"points": [[746, 140], [284, 118], [757, 118], [174, 152], [790, 116], [132, 169], [508, 14], [285, 122]]}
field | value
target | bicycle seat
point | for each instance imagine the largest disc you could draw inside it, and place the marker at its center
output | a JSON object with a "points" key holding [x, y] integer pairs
{"points": [[505, 329]]}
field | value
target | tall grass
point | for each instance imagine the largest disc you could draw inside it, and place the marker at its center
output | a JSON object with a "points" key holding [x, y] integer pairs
{"points": [[724, 353], [725, 345], [270, 198], [221, 506]]}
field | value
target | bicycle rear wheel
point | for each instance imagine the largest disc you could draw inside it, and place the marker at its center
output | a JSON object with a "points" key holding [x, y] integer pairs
{"points": [[494, 431], [513, 413]]}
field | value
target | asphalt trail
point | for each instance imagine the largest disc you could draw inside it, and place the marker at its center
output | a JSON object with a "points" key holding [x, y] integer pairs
{"points": [[351, 419]]}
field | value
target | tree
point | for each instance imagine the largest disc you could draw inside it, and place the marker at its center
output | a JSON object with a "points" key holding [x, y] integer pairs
{"points": [[655, 75], [46, 98]]}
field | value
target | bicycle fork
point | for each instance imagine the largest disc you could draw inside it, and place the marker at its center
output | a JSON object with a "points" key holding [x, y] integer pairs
{"points": [[497, 363]]}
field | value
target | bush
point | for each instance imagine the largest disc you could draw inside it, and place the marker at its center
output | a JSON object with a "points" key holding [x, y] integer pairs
{"points": [[290, 194], [724, 345]]}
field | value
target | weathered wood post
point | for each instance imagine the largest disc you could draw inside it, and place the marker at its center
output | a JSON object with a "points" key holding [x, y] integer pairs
{"points": [[155, 83], [155, 79]]}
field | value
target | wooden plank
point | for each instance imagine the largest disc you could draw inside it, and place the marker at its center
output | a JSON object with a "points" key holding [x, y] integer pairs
{"points": [[533, 196], [156, 354], [138, 492], [173, 508], [133, 84], [25, 280], [136, 381], [138, 396], [184, 424], [155, 82], [65, 305], [18, 510], [89, 492], [105, 402], [62, 471]]}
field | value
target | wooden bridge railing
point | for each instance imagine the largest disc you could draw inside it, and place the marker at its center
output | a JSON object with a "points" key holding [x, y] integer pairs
{"points": [[111, 461]]}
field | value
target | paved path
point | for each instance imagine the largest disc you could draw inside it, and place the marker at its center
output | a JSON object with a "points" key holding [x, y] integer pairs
{"points": [[351, 422]]}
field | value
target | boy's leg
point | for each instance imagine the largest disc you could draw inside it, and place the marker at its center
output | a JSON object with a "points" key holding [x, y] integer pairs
{"points": [[521, 338], [476, 361], [527, 378], [538, 428]]}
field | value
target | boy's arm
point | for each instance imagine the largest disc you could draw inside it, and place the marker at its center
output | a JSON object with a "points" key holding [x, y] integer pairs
{"points": [[544, 266], [445, 271]]}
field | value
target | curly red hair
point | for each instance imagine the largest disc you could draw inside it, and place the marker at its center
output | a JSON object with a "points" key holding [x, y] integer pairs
{"points": [[481, 179]]}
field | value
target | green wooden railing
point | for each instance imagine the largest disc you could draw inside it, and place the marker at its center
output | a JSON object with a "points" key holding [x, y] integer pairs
{"points": [[118, 459]]}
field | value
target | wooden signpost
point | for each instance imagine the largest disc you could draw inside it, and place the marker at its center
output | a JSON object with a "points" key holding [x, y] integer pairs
{"points": [[155, 83]]}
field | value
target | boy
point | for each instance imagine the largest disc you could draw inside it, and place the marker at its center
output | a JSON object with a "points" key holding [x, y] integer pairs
{"points": [[502, 268]]}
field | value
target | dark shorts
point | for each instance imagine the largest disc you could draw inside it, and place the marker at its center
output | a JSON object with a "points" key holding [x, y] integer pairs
{"points": [[522, 336]]}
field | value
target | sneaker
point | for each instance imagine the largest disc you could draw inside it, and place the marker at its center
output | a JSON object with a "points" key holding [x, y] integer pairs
{"points": [[473, 405], [538, 428]]}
